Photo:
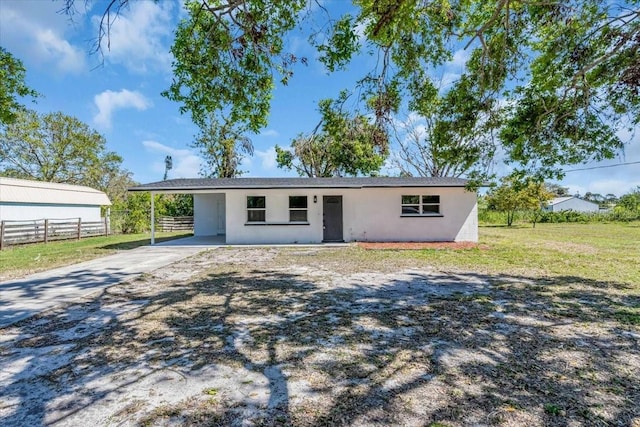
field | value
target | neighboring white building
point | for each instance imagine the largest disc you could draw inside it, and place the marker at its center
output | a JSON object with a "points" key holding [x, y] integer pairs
{"points": [[314, 210], [571, 203], [22, 200]]}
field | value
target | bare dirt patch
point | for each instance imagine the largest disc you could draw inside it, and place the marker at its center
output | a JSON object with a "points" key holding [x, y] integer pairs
{"points": [[251, 336]]}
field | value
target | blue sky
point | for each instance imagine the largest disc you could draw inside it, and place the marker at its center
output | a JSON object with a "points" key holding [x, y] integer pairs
{"points": [[120, 97]]}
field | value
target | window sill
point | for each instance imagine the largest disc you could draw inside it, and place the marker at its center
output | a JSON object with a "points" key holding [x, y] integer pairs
{"points": [[421, 216], [276, 223]]}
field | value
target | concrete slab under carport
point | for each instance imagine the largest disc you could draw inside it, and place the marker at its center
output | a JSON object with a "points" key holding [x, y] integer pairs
{"points": [[194, 241], [22, 298]]}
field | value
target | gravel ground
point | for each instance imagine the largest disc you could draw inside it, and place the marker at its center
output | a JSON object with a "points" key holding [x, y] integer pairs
{"points": [[259, 336]]}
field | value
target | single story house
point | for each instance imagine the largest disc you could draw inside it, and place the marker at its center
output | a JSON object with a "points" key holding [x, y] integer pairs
{"points": [[314, 210], [571, 203], [25, 200]]}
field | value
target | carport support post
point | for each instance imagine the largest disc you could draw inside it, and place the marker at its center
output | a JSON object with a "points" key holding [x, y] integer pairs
{"points": [[153, 219]]}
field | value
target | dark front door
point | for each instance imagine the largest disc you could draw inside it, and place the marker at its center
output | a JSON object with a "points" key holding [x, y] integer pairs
{"points": [[332, 218]]}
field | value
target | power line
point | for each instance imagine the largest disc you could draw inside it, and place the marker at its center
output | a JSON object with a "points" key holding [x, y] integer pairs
{"points": [[602, 167]]}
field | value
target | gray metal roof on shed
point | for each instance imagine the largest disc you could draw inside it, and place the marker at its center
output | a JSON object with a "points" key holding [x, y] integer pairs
{"points": [[558, 200], [178, 185], [14, 190]]}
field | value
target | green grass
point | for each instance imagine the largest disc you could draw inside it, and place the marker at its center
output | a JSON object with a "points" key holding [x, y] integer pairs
{"points": [[602, 252], [17, 261], [598, 252]]}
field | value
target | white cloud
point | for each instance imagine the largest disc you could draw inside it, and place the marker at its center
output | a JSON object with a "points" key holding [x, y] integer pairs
{"points": [[140, 36], [451, 72], [67, 58], [270, 133], [267, 158], [246, 164], [38, 38], [186, 164], [460, 58], [109, 101]]}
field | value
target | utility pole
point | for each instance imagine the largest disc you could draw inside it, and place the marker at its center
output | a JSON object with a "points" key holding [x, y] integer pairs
{"points": [[168, 164]]}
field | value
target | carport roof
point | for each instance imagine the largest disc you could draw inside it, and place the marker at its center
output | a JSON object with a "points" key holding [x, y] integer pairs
{"points": [[192, 184]]}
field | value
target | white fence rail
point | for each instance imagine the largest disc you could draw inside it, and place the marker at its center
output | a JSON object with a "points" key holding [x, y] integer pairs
{"points": [[47, 230]]}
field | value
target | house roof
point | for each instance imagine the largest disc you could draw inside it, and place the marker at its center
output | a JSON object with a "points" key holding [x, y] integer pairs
{"points": [[558, 200], [14, 190], [265, 183]]}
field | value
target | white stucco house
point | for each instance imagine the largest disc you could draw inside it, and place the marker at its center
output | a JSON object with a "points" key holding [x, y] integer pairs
{"points": [[571, 203], [314, 210], [25, 200]]}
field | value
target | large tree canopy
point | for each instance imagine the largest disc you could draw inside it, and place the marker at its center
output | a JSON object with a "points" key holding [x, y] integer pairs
{"points": [[566, 72], [12, 86], [59, 148]]}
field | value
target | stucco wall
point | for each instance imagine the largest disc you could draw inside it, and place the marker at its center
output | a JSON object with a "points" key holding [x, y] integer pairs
{"points": [[370, 214], [575, 204], [20, 212], [209, 211]]}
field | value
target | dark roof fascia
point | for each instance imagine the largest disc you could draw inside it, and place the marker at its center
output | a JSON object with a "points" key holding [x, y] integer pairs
{"points": [[186, 185], [281, 187]]}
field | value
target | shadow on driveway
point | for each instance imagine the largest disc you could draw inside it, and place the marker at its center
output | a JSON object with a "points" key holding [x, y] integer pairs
{"points": [[25, 297]]}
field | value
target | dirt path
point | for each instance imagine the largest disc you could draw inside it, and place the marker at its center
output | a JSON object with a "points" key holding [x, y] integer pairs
{"points": [[258, 336]]}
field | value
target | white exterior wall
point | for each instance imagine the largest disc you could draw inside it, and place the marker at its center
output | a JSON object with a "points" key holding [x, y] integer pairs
{"points": [[374, 214], [277, 215], [369, 214], [25, 212], [208, 214], [575, 204]]}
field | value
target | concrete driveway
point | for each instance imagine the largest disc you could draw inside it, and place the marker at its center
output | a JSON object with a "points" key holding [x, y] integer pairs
{"points": [[33, 294]]}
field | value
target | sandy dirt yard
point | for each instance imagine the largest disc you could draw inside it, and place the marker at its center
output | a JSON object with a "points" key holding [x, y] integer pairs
{"points": [[307, 336]]}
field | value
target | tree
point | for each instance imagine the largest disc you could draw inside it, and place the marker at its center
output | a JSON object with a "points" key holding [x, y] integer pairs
{"points": [[12, 85], [630, 201], [176, 205], [225, 57], [309, 155], [341, 144], [514, 195], [450, 135], [557, 190], [58, 148], [610, 199], [223, 147], [569, 72], [594, 197]]}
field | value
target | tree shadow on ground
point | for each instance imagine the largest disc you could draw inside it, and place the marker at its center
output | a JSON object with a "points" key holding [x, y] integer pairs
{"points": [[278, 348]]}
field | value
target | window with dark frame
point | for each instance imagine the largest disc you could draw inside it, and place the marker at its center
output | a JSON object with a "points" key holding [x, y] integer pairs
{"points": [[426, 205], [256, 208], [297, 208]]}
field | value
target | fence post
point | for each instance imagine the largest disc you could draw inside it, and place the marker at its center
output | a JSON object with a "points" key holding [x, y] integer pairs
{"points": [[46, 230], [106, 226], [79, 227], [1, 235]]}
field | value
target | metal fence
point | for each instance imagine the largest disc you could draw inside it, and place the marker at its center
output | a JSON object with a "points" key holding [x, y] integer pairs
{"points": [[47, 230]]}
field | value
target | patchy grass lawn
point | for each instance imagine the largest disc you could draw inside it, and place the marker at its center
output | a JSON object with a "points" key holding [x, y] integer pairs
{"points": [[536, 328], [604, 252], [21, 260]]}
